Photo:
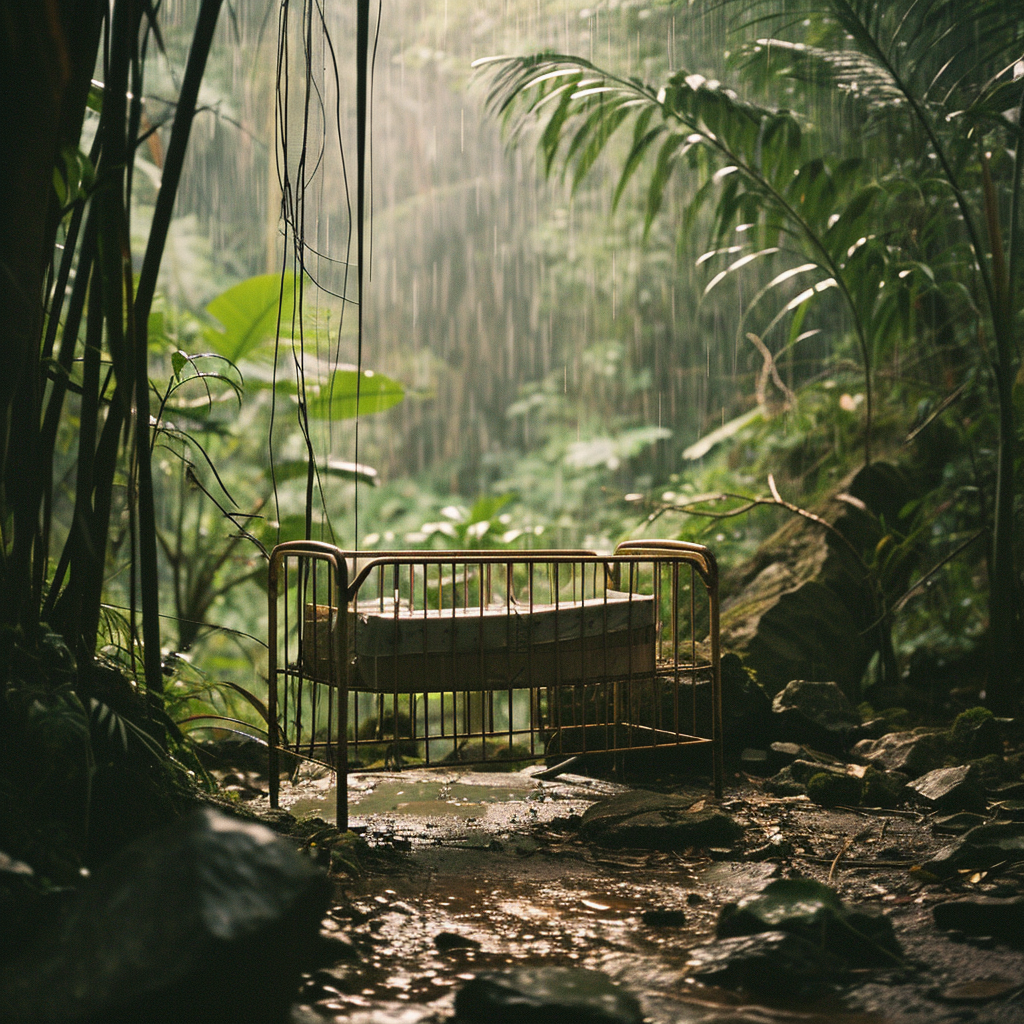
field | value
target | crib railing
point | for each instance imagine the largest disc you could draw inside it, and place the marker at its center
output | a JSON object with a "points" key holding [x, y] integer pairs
{"points": [[474, 657]]}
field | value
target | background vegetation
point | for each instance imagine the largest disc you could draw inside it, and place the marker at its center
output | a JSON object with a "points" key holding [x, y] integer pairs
{"points": [[633, 288]]}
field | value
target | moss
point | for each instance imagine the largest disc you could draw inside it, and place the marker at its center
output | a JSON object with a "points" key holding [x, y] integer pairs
{"points": [[895, 718], [974, 733], [831, 789], [879, 790], [967, 722]]}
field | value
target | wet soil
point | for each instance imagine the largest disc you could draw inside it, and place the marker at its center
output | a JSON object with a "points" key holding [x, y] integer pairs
{"points": [[469, 872]]}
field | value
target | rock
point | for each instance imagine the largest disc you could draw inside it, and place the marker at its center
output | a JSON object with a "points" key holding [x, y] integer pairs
{"points": [[981, 990], [949, 789], [912, 753], [1002, 918], [792, 780], [980, 848], [210, 918], [635, 801], [546, 995], [802, 605], [781, 754], [830, 789], [445, 941], [814, 912], [671, 830], [816, 713], [975, 734], [745, 709], [882, 789], [773, 963], [661, 918]]}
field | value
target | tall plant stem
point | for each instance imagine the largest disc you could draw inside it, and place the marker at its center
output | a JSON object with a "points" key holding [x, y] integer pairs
{"points": [[202, 39]]}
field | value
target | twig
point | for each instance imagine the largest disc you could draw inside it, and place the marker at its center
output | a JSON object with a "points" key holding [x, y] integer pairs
{"points": [[838, 857]]}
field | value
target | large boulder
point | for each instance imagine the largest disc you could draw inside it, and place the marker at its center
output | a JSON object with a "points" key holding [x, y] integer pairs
{"points": [[803, 606], [209, 919]]}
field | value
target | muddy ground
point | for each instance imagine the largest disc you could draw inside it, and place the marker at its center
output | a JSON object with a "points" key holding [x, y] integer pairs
{"points": [[464, 872]]}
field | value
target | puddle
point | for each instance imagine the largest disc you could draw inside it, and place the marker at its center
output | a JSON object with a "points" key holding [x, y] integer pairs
{"points": [[406, 800]]}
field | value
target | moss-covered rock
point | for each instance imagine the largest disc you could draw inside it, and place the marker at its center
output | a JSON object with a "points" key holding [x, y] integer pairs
{"points": [[974, 734], [832, 790], [881, 789], [803, 606]]}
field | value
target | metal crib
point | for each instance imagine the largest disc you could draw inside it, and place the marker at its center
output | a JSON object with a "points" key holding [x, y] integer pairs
{"points": [[389, 659]]}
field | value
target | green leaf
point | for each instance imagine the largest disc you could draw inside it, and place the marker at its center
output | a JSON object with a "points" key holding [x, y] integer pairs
{"points": [[178, 362], [297, 468], [337, 398], [700, 448], [249, 314]]}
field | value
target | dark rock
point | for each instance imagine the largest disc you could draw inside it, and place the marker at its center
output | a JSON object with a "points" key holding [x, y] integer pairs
{"points": [[671, 830], [663, 918], [781, 754], [830, 789], [873, 729], [984, 915], [546, 995], [814, 912], [776, 963], [975, 734], [746, 709], [912, 753], [883, 789], [792, 780], [445, 941], [754, 761], [635, 801], [802, 606], [208, 919], [785, 783], [949, 789], [816, 713], [980, 849]]}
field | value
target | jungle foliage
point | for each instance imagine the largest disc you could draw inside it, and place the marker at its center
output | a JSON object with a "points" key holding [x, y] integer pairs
{"points": [[898, 233], [104, 379]]}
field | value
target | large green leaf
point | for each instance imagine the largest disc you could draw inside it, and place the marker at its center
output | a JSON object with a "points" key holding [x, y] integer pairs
{"points": [[337, 398], [249, 314]]}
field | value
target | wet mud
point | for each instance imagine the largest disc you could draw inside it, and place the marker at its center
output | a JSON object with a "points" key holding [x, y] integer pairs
{"points": [[468, 872]]}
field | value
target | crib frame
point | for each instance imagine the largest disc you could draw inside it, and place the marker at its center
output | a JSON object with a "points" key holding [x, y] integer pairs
{"points": [[610, 674]]}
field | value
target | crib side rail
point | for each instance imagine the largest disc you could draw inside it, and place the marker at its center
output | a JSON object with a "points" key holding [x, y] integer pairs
{"points": [[305, 574]]}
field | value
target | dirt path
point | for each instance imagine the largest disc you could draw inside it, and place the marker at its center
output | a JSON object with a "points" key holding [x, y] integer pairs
{"points": [[474, 872]]}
